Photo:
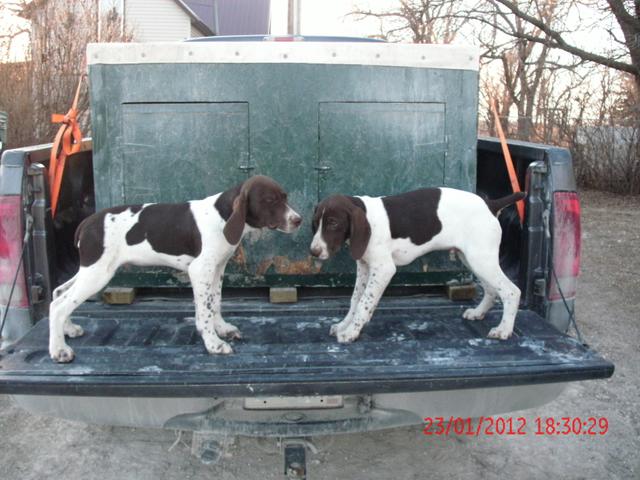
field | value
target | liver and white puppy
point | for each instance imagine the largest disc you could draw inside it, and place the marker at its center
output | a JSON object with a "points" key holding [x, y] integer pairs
{"points": [[198, 237], [385, 232]]}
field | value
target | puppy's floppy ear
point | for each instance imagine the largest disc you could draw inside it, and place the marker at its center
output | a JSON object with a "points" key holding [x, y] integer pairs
{"points": [[235, 225], [359, 233], [314, 226]]}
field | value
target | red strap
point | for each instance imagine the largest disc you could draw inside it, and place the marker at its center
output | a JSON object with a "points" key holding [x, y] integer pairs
{"points": [[515, 184], [67, 141]]}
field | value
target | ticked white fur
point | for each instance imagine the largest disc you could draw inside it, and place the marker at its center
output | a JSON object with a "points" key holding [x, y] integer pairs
{"points": [[467, 225]]}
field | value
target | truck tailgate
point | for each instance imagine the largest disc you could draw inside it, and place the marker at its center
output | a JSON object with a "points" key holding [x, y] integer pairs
{"points": [[412, 344]]}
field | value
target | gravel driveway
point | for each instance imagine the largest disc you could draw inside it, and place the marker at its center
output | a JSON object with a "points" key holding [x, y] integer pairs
{"points": [[34, 447]]}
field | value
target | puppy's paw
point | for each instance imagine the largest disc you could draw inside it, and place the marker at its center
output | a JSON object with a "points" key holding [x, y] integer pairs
{"points": [[499, 333], [229, 331], [62, 355], [218, 348], [234, 334], [472, 314], [333, 331], [347, 335], [72, 330], [337, 328]]}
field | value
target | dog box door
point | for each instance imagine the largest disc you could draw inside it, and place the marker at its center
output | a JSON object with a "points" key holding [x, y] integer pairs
{"points": [[380, 148], [383, 148], [174, 152]]}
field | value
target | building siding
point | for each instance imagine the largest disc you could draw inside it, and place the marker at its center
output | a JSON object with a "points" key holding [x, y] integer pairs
{"points": [[157, 20]]}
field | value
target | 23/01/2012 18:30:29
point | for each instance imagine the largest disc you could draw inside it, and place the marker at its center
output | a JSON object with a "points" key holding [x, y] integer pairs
{"points": [[515, 426]]}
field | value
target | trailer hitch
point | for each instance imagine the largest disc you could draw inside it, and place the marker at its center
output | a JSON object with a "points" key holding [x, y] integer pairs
{"points": [[295, 457], [295, 463]]}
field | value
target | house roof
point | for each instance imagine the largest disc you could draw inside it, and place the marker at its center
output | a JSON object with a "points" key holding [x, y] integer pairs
{"points": [[233, 17], [205, 10], [196, 21], [243, 17]]}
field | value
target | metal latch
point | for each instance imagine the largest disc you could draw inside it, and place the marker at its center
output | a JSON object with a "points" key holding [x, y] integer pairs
{"points": [[36, 291], [540, 287], [539, 167]]}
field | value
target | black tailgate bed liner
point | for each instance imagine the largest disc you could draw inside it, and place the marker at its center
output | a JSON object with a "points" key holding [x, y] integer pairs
{"points": [[412, 344]]}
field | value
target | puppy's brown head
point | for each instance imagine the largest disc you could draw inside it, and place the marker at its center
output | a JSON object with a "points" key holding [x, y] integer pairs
{"points": [[260, 203], [336, 219]]}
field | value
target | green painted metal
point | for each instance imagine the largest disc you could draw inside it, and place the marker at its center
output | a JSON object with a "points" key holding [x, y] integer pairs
{"points": [[156, 146], [172, 132]]}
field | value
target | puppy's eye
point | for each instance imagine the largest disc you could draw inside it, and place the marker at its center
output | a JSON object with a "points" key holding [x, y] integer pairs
{"points": [[269, 200], [332, 224]]}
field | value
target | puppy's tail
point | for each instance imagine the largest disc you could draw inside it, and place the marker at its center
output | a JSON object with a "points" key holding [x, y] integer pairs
{"points": [[498, 204]]}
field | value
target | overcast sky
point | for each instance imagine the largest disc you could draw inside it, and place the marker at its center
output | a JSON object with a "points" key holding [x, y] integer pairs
{"points": [[329, 17]]}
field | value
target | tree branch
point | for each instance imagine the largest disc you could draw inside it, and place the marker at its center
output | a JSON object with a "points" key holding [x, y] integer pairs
{"points": [[555, 40]]}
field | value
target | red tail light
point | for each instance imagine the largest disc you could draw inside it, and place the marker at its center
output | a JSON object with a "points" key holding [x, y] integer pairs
{"points": [[566, 245], [11, 237]]}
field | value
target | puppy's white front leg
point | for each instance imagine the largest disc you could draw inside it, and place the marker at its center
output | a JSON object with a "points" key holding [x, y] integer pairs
{"points": [[201, 275], [362, 277], [223, 329], [58, 348], [380, 275]]}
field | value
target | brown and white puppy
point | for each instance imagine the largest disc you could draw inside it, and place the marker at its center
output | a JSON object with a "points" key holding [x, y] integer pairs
{"points": [[198, 237], [386, 232]]}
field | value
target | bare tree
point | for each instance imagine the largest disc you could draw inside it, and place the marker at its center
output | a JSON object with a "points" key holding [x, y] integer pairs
{"points": [[15, 78], [9, 31], [626, 13], [425, 21], [16, 100], [550, 87], [45, 82], [514, 67], [60, 32]]}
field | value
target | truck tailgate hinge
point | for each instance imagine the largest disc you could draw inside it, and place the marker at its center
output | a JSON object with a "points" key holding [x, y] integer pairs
{"points": [[540, 287], [539, 167]]}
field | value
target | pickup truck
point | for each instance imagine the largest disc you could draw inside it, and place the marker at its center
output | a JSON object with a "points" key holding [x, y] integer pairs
{"points": [[184, 120]]}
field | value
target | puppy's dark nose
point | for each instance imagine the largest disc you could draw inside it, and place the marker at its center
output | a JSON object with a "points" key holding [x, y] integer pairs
{"points": [[296, 221], [315, 252]]}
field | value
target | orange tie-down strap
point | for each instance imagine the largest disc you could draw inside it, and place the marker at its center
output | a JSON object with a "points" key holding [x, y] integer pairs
{"points": [[513, 178], [68, 141]]}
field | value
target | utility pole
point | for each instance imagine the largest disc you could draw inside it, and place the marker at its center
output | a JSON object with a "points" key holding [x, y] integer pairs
{"points": [[290, 17], [293, 17]]}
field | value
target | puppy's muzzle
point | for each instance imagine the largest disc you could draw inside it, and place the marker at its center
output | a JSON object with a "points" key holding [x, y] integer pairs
{"points": [[319, 252], [292, 222]]}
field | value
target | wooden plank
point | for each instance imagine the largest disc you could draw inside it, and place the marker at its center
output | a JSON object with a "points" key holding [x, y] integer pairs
{"points": [[119, 295]]}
